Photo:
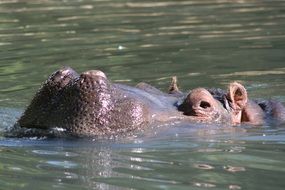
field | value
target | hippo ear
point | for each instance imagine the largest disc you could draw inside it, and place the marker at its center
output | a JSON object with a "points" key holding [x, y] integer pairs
{"points": [[237, 95], [173, 88]]}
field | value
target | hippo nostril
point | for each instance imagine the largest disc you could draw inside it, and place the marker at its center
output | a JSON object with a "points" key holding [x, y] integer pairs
{"points": [[205, 105]]}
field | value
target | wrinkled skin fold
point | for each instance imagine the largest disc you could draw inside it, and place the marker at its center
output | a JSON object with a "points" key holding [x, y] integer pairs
{"points": [[88, 104]]}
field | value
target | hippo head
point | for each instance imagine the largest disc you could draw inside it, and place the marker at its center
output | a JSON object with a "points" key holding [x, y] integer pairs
{"points": [[85, 104], [216, 105]]}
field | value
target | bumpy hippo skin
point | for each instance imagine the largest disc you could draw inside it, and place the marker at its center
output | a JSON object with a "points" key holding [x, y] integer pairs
{"points": [[90, 105]]}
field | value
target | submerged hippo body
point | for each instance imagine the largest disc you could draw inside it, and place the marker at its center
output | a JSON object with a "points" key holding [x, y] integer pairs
{"points": [[90, 105]]}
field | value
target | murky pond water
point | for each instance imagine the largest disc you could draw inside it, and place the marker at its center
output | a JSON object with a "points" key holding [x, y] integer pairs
{"points": [[205, 43]]}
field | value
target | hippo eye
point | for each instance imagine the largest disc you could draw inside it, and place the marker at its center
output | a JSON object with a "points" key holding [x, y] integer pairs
{"points": [[204, 104]]}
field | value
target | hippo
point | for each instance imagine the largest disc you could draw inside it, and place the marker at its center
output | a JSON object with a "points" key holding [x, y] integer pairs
{"points": [[89, 104]]}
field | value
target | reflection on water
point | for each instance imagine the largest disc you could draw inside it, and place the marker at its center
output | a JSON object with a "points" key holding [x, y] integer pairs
{"points": [[224, 161], [205, 43]]}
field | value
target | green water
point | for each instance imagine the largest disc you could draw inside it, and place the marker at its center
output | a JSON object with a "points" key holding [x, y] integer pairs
{"points": [[204, 42]]}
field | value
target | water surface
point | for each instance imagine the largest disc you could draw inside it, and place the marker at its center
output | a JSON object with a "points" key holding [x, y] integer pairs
{"points": [[205, 43]]}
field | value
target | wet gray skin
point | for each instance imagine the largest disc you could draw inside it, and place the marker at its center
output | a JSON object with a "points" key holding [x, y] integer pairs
{"points": [[90, 105]]}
